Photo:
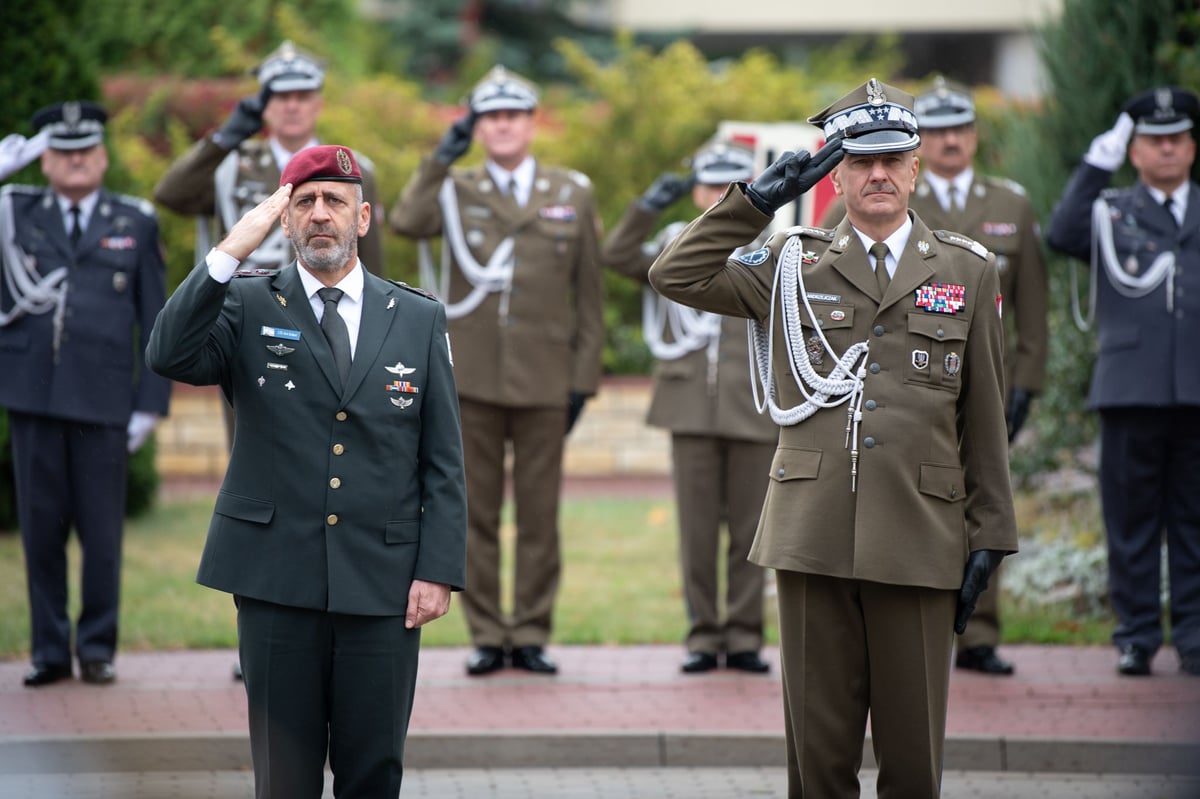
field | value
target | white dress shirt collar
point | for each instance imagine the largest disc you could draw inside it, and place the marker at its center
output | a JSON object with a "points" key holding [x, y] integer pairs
{"points": [[895, 244]]}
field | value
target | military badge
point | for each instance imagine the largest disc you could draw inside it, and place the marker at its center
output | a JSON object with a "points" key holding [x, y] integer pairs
{"points": [[815, 350], [281, 299], [920, 359], [280, 349], [401, 369], [755, 258], [1000, 228], [118, 243], [279, 332], [344, 163], [808, 257], [400, 402], [923, 247], [941, 297], [262, 381], [278, 367], [289, 385], [120, 281], [558, 213], [391, 304], [403, 387], [843, 241], [837, 316], [952, 363]]}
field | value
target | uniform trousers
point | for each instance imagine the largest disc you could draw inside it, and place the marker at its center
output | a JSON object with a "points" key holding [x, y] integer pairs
{"points": [[537, 452], [320, 685], [70, 473], [1149, 482], [849, 647], [720, 479]]}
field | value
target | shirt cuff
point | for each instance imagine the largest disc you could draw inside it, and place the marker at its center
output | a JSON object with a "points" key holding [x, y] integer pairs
{"points": [[221, 265]]}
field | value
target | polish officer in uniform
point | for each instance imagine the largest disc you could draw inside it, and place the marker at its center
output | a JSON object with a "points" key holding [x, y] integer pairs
{"points": [[879, 347], [1143, 243], [721, 447], [524, 294], [83, 280], [340, 528]]}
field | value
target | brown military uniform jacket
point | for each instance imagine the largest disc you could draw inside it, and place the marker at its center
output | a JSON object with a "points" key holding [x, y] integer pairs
{"points": [[534, 344], [689, 397], [188, 187], [932, 471]]}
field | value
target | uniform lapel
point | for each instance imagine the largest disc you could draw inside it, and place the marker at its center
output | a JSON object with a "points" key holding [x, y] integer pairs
{"points": [[851, 261], [378, 313], [912, 270], [100, 225], [286, 284], [974, 209], [48, 221]]}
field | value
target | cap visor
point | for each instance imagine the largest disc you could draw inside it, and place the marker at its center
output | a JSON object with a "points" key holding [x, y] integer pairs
{"points": [[882, 141]]}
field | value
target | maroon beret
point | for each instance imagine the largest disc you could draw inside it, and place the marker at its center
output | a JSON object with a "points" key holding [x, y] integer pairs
{"points": [[322, 162]]}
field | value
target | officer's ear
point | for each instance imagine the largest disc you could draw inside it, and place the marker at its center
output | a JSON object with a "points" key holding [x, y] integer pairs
{"points": [[835, 177], [283, 219]]}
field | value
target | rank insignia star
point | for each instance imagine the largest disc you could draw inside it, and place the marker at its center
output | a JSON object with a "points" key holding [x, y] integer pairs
{"points": [[289, 385]]}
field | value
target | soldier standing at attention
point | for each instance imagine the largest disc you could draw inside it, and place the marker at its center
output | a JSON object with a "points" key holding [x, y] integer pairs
{"points": [[1144, 246], [524, 298], [721, 447], [880, 352], [83, 281]]}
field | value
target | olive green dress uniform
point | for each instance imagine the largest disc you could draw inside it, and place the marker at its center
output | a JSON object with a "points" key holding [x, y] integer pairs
{"points": [[721, 448], [932, 485], [517, 357]]}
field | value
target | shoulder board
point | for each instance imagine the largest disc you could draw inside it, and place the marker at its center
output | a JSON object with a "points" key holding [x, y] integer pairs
{"points": [[20, 188], [259, 272], [825, 234], [1005, 183], [580, 178], [140, 203], [429, 295], [959, 240]]}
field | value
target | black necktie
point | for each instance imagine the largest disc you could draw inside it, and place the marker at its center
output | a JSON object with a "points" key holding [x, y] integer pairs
{"points": [[879, 252], [334, 327], [1169, 204], [76, 228]]}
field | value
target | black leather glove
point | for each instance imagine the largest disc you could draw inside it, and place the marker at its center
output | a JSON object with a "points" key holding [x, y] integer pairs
{"points": [[791, 175], [664, 191], [575, 403], [456, 140], [981, 564], [1018, 411], [245, 121]]}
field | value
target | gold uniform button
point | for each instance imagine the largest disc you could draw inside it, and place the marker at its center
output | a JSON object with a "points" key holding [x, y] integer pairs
{"points": [[341, 416], [338, 449], [331, 519], [336, 482]]}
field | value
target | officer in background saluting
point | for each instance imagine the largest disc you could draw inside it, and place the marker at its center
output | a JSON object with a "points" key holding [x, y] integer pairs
{"points": [[721, 447], [1144, 245], [83, 279], [889, 504], [524, 297]]}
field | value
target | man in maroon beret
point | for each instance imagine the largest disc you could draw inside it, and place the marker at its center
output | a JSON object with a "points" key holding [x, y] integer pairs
{"points": [[341, 526]]}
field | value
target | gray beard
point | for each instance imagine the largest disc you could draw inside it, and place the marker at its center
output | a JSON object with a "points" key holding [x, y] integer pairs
{"points": [[326, 259]]}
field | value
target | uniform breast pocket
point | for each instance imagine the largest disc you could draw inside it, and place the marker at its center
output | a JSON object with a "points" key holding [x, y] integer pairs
{"points": [[561, 234], [836, 324], [938, 343]]}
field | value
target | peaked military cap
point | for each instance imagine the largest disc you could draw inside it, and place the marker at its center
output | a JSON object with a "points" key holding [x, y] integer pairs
{"points": [[945, 105], [874, 118], [502, 90], [720, 162], [322, 162], [290, 69], [73, 125], [1162, 111]]}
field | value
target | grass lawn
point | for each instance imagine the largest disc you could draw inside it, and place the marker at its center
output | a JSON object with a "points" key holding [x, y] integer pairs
{"points": [[620, 584]]}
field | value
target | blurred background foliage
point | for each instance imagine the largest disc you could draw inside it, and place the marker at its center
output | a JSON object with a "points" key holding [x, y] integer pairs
{"points": [[617, 108]]}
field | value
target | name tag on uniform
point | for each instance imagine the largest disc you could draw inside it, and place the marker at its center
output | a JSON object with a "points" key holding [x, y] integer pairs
{"points": [[280, 332]]}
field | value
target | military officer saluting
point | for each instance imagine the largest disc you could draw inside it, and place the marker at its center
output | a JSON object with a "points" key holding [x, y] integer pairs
{"points": [[524, 297], [83, 279], [227, 172], [1143, 242], [880, 352]]}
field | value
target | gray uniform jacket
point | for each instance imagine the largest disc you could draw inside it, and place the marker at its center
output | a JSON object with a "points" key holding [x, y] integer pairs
{"points": [[532, 346], [115, 288], [933, 479], [1145, 356], [333, 499]]}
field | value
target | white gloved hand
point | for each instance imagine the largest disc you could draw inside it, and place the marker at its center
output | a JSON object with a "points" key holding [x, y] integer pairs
{"points": [[141, 425], [16, 151], [1108, 149]]}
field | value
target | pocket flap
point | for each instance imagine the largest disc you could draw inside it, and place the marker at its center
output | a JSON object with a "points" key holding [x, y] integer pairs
{"points": [[247, 509], [408, 532], [943, 482], [791, 463], [939, 327]]}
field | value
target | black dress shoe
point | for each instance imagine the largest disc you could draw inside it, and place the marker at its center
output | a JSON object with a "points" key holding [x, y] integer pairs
{"points": [[97, 672], [1190, 663], [983, 659], [485, 660], [533, 658], [697, 662], [747, 661], [44, 675], [1134, 661]]}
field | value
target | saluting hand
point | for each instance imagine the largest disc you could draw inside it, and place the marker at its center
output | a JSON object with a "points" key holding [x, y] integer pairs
{"points": [[457, 140], [426, 601], [249, 232]]}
